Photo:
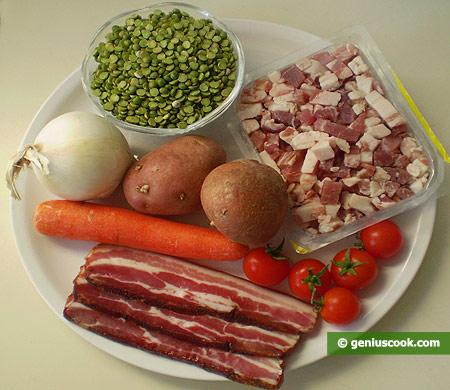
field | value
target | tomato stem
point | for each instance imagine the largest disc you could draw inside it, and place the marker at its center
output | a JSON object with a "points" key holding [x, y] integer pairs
{"points": [[359, 244], [276, 252], [313, 280], [347, 266]]}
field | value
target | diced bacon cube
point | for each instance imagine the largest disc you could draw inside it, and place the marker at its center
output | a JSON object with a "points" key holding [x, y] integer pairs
{"points": [[330, 192], [376, 189], [311, 66], [307, 181], [403, 177], [288, 134], [357, 65], [341, 70], [380, 175], [262, 84], [342, 144], [359, 124], [371, 121], [323, 150], [383, 202], [379, 131], [253, 96], [390, 187], [310, 163], [326, 98], [351, 181], [303, 141], [345, 199], [258, 137], [279, 89], [385, 109], [250, 125], [417, 185], [359, 107], [408, 146], [364, 187], [360, 203], [391, 143], [328, 112], [329, 81], [285, 117], [323, 57], [365, 172], [266, 159], [309, 211], [287, 159], [356, 95], [368, 142], [293, 173], [418, 167], [296, 193], [328, 224], [284, 99], [345, 52], [271, 126], [404, 192], [293, 75], [336, 130], [383, 158], [352, 159], [306, 115], [277, 105], [401, 161], [364, 83], [248, 111], [332, 209], [275, 76], [319, 135], [346, 115]]}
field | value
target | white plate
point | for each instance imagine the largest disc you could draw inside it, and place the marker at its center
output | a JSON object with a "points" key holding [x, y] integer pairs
{"points": [[53, 263]]}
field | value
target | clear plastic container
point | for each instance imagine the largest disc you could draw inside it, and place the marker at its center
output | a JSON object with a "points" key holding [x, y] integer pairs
{"points": [[394, 92], [89, 65]]}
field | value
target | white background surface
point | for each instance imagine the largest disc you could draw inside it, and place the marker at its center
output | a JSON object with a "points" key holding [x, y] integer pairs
{"points": [[41, 42]]}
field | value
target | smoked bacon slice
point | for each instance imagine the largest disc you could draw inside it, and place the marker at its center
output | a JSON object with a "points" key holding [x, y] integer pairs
{"points": [[203, 330], [259, 371], [189, 288]]}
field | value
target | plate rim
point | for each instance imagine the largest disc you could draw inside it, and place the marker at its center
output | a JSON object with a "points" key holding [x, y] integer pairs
{"points": [[104, 344]]}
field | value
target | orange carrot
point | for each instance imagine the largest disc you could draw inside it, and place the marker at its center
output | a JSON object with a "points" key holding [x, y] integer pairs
{"points": [[119, 226]]}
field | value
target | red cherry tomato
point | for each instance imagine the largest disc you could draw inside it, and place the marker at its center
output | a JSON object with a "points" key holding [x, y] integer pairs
{"points": [[341, 306], [266, 266], [309, 278], [382, 240], [354, 269]]}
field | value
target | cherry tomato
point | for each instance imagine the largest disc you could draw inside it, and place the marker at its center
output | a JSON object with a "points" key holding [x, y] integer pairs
{"points": [[266, 266], [309, 278], [382, 240], [341, 306], [354, 269]]}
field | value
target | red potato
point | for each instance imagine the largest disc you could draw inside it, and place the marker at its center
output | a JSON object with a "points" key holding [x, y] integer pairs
{"points": [[168, 180], [245, 200]]}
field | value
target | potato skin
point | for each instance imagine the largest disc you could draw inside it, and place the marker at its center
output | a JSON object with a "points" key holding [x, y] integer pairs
{"points": [[168, 180], [245, 200]]}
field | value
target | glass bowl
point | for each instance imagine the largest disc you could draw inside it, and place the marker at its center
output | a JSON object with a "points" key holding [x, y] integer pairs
{"points": [[90, 65]]}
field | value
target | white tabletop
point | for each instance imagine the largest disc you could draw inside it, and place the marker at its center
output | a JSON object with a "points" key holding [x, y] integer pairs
{"points": [[41, 42]]}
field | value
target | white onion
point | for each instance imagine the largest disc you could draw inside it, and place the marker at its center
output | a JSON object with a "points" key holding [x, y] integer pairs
{"points": [[76, 156]]}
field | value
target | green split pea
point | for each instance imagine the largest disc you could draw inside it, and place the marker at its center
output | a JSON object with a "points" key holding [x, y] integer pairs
{"points": [[165, 71]]}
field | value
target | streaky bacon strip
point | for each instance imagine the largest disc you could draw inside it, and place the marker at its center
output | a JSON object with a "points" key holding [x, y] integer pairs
{"points": [[204, 330], [259, 371], [190, 288]]}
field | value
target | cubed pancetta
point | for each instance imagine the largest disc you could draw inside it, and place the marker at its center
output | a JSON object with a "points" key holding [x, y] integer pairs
{"points": [[325, 124]]}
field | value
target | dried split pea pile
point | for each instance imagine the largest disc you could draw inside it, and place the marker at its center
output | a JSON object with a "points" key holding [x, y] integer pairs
{"points": [[165, 71]]}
